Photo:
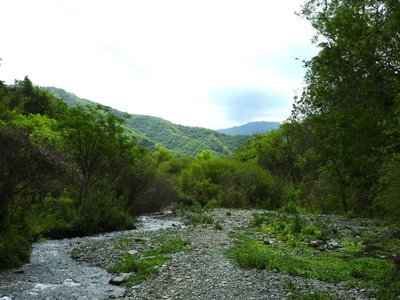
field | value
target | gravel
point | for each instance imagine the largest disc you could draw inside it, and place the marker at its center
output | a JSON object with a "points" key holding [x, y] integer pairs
{"points": [[203, 271]]}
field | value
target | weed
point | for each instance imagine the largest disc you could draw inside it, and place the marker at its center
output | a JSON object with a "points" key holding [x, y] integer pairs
{"points": [[122, 242], [218, 226], [288, 228], [143, 267], [295, 294], [146, 266], [200, 219], [330, 267]]}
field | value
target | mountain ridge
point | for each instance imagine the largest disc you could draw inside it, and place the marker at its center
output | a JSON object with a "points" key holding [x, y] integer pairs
{"points": [[251, 128], [156, 133]]}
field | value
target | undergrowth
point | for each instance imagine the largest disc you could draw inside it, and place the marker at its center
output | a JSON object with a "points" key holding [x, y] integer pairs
{"points": [[144, 265], [283, 242]]}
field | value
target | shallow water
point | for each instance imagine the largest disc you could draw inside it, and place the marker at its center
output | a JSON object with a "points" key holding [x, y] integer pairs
{"points": [[53, 274]]}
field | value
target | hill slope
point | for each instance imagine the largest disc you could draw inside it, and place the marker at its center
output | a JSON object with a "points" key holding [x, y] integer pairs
{"points": [[251, 128], [156, 133]]}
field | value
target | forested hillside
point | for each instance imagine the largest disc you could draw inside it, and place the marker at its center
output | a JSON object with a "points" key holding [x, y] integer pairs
{"points": [[251, 128], [157, 133]]}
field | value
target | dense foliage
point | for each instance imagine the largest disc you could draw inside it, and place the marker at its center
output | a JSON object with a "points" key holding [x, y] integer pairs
{"points": [[78, 169], [340, 150], [67, 171]]}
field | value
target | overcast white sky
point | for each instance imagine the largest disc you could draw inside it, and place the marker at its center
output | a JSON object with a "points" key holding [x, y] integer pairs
{"points": [[213, 64]]}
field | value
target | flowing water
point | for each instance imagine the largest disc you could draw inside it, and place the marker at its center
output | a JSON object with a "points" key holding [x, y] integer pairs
{"points": [[53, 274]]}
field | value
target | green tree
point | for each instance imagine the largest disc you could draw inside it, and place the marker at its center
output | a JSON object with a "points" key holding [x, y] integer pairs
{"points": [[351, 89], [102, 160]]}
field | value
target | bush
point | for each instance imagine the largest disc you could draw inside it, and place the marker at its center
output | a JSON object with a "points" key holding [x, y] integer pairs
{"points": [[228, 183], [387, 202], [15, 247]]}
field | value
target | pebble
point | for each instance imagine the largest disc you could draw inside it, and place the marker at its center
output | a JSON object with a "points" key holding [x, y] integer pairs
{"points": [[204, 272], [120, 279]]}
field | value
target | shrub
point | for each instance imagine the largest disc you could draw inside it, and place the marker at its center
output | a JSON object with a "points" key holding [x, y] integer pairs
{"points": [[228, 183], [15, 247], [387, 202]]}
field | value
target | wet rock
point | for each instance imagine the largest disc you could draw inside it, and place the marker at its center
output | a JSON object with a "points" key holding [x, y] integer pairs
{"points": [[71, 283], [333, 244], [316, 243], [120, 279], [133, 252], [268, 241]]}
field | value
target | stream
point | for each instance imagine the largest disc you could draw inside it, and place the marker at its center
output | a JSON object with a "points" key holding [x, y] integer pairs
{"points": [[53, 274]]}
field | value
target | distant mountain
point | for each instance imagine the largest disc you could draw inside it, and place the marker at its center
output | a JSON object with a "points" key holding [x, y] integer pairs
{"points": [[251, 128], [156, 133]]}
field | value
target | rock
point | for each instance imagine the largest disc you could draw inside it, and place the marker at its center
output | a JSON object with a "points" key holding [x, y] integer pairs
{"points": [[133, 252], [120, 279], [70, 282], [315, 243], [333, 244]]}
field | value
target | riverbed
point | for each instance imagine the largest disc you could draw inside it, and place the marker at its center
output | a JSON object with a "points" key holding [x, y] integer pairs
{"points": [[53, 274]]}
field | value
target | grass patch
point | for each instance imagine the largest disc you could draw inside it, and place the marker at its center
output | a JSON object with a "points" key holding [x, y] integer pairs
{"points": [[123, 241], [288, 227], [311, 295], [295, 294], [200, 219], [331, 267], [218, 226], [144, 268], [146, 265]]}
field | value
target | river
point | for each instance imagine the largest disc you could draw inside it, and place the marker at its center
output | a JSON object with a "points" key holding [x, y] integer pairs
{"points": [[53, 274]]}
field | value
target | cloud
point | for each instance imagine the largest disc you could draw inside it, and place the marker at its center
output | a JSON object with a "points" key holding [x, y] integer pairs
{"points": [[200, 63], [250, 104]]}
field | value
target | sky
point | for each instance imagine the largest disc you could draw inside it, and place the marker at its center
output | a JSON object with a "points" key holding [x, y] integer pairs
{"points": [[205, 63]]}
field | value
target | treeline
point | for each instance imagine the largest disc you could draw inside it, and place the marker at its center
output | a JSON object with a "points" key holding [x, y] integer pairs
{"points": [[73, 171], [340, 150], [157, 133], [67, 171]]}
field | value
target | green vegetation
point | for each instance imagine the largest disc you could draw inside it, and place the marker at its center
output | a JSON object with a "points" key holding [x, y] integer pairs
{"points": [[200, 219], [146, 264], [329, 267], [339, 151], [251, 128], [294, 294], [83, 168], [156, 133], [294, 245], [225, 182], [68, 171]]}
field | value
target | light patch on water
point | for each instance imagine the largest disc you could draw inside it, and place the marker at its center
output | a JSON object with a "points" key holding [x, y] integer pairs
{"points": [[70, 282], [41, 286]]}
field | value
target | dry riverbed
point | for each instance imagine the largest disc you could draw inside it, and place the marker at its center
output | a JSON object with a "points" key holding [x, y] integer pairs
{"points": [[195, 265], [202, 270]]}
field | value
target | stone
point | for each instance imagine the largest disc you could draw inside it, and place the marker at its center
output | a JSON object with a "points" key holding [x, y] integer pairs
{"points": [[120, 279], [133, 252], [334, 243], [315, 243]]}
